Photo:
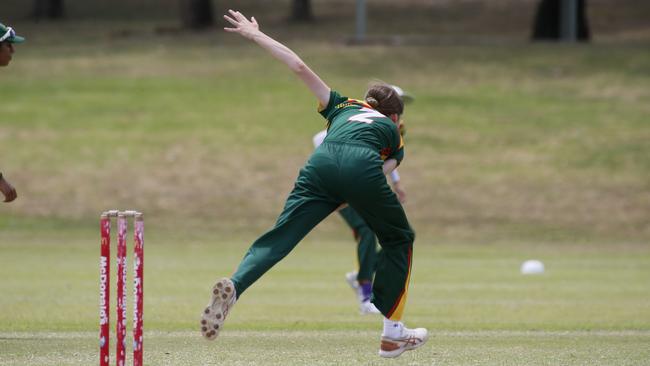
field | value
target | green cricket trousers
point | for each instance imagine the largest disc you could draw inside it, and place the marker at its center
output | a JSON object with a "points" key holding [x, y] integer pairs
{"points": [[366, 243], [341, 172]]}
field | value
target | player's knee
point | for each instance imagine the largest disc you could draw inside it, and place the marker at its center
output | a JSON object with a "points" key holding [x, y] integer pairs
{"points": [[408, 236], [365, 233], [403, 238]]}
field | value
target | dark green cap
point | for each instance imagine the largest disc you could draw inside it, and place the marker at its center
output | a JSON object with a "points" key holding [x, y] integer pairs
{"points": [[8, 34]]}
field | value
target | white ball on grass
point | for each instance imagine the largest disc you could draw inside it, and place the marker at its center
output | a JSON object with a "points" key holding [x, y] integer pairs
{"points": [[532, 266]]}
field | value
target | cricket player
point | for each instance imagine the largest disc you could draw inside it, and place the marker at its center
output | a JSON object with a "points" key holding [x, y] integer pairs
{"points": [[362, 145], [361, 280], [7, 39]]}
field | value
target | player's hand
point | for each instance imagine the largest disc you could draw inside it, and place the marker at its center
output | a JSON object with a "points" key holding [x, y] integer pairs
{"points": [[7, 190], [243, 26], [401, 194]]}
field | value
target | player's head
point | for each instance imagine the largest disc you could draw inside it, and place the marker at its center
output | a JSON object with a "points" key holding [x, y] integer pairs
{"points": [[7, 39], [386, 100]]}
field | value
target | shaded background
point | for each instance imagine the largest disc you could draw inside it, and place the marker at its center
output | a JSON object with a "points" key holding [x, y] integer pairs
{"points": [[145, 104], [614, 20]]}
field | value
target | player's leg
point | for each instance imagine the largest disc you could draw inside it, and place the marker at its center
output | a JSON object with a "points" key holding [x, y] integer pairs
{"points": [[366, 243], [384, 214], [361, 281], [299, 217], [304, 209], [378, 205]]}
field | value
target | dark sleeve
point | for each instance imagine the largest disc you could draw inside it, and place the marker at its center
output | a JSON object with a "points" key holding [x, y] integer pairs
{"points": [[399, 155], [332, 107]]}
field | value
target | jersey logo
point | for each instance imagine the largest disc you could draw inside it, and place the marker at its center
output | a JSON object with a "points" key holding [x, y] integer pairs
{"points": [[366, 115]]}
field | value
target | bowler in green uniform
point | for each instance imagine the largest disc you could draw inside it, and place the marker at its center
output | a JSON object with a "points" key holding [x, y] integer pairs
{"points": [[361, 280], [363, 144]]}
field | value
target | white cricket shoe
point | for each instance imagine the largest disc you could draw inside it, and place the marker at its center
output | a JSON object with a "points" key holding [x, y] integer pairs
{"points": [[223, 299], [408, 339], [366, 307], [351, 278]]}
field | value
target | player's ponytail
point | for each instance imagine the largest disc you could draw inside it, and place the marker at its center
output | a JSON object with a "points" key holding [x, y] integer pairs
{"points": [[385, 99], [372, 102]]}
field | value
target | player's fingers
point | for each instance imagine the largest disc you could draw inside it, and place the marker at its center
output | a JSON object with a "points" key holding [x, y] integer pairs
{"points": [[231, 20], [253, 20], [243, 18], [239, 16], [236, 15]]}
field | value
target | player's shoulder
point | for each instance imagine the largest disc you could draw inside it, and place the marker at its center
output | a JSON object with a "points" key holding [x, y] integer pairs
{"points": [[350, 103], [390, 128]]}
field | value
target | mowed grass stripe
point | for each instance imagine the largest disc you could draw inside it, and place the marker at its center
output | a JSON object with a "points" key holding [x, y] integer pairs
{"points": [[336, 333], [338, 348]]}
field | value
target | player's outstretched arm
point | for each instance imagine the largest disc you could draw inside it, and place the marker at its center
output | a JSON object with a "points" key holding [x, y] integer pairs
{"points": [[250, 29]]}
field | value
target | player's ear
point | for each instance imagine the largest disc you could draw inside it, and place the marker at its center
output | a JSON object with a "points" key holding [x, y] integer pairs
{"points": [[395, 118]]}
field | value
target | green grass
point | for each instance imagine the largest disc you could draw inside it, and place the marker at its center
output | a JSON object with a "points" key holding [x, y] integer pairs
{"points": [[513, 152], [590, 307], [518, 142], [346, 348]]}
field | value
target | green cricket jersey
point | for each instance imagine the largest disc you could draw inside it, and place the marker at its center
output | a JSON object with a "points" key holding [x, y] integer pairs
{"points": [[351, 120]]}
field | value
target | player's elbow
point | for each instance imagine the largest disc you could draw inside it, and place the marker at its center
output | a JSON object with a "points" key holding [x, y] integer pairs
{"points": [[299, 67]]}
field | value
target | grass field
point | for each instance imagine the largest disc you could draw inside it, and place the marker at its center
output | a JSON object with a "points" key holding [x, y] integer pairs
{"points": [[590, 307], [513, 152]]}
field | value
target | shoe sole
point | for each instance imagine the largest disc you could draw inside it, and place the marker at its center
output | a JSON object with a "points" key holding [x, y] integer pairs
{"points": [[215, 313], [399, 351]]}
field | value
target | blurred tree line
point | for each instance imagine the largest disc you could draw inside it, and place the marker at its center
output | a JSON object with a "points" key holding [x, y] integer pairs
{"points": [[550, 23], [549, 17], [195, 14]]}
